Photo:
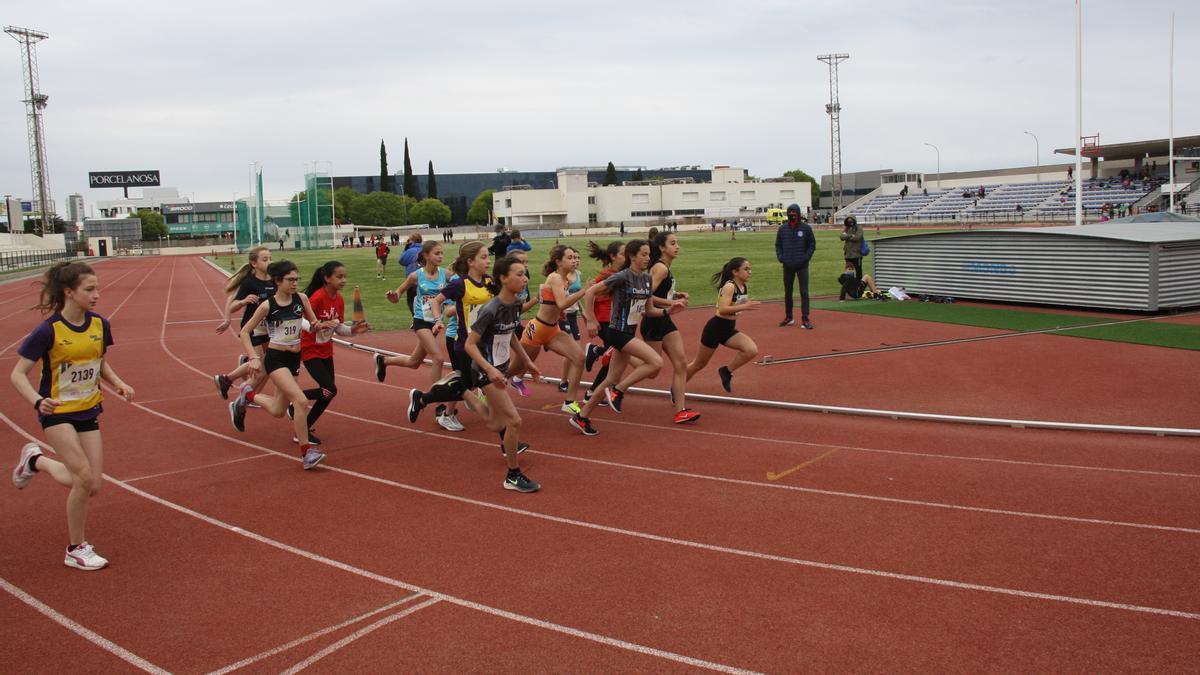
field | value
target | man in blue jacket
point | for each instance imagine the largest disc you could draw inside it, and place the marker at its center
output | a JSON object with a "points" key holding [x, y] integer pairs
{"points": [[794, 247]]}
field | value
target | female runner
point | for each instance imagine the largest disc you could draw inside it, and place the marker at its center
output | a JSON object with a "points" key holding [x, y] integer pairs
{"points": [[71, 344], [660, 332], [249, 285], [630, 289], [493, 347], [429, 279], [544, 331], [613, 259], [733, 298], [283, 313], [316, 348]]}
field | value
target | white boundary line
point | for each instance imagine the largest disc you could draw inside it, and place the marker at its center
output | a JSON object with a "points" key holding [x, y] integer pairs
{"points": [[194, 468], [360, 633], [312, 636], [78, 629]]}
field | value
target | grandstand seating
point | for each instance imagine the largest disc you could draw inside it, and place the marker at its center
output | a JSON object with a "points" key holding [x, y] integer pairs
{"points": [[1048, 198]]}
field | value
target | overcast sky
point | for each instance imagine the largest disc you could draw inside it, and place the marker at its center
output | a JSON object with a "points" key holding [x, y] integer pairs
{"points": [[201, 90]]}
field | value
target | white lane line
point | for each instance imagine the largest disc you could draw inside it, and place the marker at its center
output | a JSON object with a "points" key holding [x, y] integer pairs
{"points": [[794, 488], [360, 633], [176, 323], [396, 583], [22, 338], [194, 468], [788, 441], [933, 581], [312, 636], [82, 631]]}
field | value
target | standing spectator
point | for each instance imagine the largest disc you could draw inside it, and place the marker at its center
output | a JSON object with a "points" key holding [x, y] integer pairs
{"points": [[412, 250], [794, 247], [1070, 173], [852, 238], [500, 242], [382, 251], [622, 228], [516, 243]]}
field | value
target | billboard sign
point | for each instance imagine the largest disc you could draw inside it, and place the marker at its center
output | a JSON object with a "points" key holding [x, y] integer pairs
{"points": [[123, 179]]}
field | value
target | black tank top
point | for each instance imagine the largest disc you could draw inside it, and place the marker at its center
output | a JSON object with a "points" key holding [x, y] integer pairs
{"points": [[283, 321]]}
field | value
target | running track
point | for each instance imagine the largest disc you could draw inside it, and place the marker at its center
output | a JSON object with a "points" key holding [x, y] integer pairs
{"points": [[886, 545]]}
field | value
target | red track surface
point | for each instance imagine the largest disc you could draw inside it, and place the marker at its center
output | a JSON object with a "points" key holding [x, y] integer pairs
{"points": [[903, 546]]}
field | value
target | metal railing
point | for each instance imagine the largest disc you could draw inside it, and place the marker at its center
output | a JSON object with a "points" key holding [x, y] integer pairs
{"points": [[15, 260]]}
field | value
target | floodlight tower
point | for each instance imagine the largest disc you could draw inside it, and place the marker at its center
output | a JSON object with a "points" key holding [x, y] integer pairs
{"points": [[33, 107], [835, 127]]}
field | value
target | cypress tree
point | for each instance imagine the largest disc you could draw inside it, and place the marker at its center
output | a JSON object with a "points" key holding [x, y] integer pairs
{"points": [[610, 175], [385, 180], [637, 175], [410, 180], [431, 184]]}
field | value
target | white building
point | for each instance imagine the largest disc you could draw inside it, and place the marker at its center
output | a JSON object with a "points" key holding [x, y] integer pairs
{"points": [[575, 202], [152, 198], [75, 213]]}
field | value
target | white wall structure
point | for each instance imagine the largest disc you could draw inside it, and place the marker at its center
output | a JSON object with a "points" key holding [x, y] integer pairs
{"points": [[152, 198], [727, 196]]}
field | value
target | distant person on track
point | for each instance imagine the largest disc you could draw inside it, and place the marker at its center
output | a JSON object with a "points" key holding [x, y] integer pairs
{"points": [[284, 313], [852, 238], [249, 286], [71, 344], [316, 347], [382, 250], [733, 298], [794, 248]]}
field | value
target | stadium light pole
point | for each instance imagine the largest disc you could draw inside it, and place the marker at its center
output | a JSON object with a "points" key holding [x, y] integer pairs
{"points": [[1037, 155], [1078, 112], [939, 164], [1171, 118]]}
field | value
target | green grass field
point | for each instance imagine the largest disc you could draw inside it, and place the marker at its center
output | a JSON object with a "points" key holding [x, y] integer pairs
{"points": [[1155, 333], [703, 253]]}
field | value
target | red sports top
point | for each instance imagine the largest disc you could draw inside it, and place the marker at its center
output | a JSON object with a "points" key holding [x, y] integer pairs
{"points": [[602, 303], [320, 345]]}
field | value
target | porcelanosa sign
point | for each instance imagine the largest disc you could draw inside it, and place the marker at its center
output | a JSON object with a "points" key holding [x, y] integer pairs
{"points": [[103, 179]]}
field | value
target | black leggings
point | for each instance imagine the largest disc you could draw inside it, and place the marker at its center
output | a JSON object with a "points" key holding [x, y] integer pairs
{"points": [[789, 274], [321, 371]]}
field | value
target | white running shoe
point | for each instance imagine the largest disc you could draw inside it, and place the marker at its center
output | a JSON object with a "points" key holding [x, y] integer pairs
{"points": [[21, 472], [450, 423], [84, 557], [312, 458]]}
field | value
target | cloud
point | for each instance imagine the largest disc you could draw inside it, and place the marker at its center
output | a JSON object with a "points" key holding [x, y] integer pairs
{"points": [[199, 91]]}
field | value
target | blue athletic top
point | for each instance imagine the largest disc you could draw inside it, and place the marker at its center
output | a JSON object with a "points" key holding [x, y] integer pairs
{"points": [[574, 287], [452, 324], [426, 290]]}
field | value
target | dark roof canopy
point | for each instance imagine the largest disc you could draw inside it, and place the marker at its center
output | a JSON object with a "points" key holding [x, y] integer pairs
{"points": [[1154, 148]]}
